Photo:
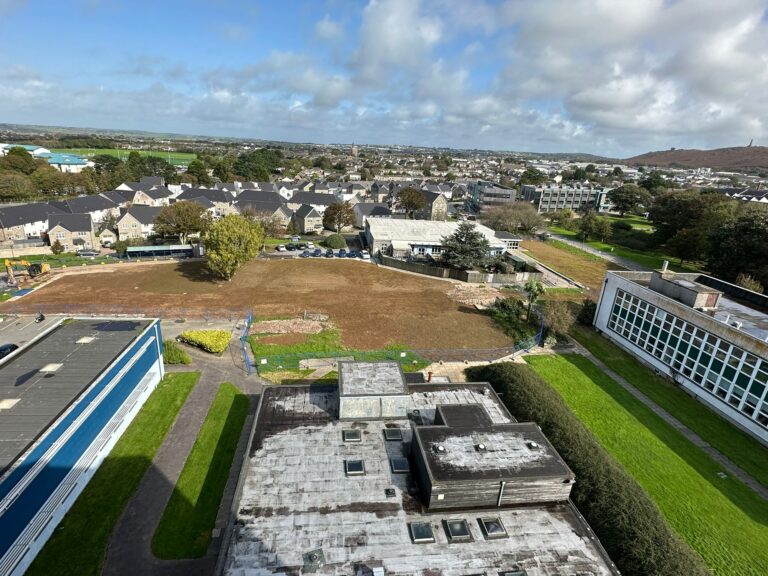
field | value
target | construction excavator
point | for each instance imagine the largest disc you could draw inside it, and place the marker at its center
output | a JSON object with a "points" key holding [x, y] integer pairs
{"points": [[33, 270]]}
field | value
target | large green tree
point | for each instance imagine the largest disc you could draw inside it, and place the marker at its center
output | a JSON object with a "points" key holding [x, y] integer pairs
{"points": [[257, 165], [411, 200], [338, 216], [197, 169], [629, 198], [532, 176], [739, 246], [181, 219], [467, 248], [19, 160], [15, 186], [229, 243], [518, 218]]}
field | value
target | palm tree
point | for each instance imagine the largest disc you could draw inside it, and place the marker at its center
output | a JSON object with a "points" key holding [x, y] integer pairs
{"points": [[534, 289]]}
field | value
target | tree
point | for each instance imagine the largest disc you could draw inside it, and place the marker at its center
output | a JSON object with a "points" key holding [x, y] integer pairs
{"points": [[450, 177], [532, 176], [57, 248], [338, 216], [558, 317], [590, 169], [15, 186], [562, 218], [270, 223], [738, 246], [231, 242], [411, 200], [618, 172], [603, 229], [688, 244], [257, 165], [18, 160], [106, 163], [586, 225], [465, 249], [519, 217], [628, 198], [750, 283], [534, 289], [335, 241], [587, 312], [654, 182], [181, 219], [197, 169], [48, 180]]}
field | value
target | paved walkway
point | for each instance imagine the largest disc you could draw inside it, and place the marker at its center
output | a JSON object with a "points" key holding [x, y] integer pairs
{"points": [[129, 551], [628, 264], [717, 456]]}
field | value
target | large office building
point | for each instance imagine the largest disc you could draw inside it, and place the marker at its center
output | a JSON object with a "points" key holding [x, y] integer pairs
{"points": [[708, 336], [381, 476], [65, 400], [555, 197], [483, 195]]}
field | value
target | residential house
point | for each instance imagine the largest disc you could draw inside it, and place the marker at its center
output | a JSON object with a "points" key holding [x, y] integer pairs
{"points": [[26, 220], [73, 231], [436, 206], [418, 238], [99, 207], [318, 201], [267, 203], [221, 199], [121, 198], [307, 219], [107, 237], [209, 206], [137, 222], [365, 210]]}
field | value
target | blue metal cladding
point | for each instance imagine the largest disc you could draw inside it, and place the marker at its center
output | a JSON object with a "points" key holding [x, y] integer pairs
{"points": [[26, 506]]}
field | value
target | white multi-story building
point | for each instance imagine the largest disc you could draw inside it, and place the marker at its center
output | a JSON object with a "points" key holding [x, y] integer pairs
{"points": [[707, 335]]}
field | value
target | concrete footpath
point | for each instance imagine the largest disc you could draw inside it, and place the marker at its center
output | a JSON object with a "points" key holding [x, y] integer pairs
{"points": [[129, 550], [717, 456], [628, 264]]}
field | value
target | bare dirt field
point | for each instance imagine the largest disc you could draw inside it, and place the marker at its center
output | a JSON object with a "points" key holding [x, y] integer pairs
{"points": [[371, 306]]}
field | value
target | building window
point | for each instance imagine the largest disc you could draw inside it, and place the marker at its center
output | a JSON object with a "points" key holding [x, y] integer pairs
{"points": [[60, 235], [421, 532], [354, 468]]}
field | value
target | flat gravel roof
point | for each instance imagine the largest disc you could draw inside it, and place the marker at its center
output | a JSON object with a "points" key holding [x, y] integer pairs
{"points": [[45, 378]]}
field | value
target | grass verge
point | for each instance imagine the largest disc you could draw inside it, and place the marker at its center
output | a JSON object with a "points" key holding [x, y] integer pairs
{"points": [[586, 269], [185, 529], [739, 447], [719, 517], [79, 543]]}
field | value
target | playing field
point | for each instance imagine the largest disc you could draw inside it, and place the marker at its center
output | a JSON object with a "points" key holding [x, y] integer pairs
{"points": [[171, 157], [371, 306], [717, 515], [585, 268]]}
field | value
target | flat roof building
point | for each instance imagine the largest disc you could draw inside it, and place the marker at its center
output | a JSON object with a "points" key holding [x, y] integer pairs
{"points": [[708, 336], [373, 494], [65, 400]]}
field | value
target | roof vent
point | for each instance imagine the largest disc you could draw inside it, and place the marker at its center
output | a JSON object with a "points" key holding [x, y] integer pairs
{"points": [[51, 367], [313, 560], [481, 447], [440, 449], [532, 445]]}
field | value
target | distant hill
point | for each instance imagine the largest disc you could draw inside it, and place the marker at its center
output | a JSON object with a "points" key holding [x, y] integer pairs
{"points": [[722, 158]]}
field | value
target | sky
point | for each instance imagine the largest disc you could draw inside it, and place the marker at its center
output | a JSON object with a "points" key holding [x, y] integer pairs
{"points": [[610, 77]]}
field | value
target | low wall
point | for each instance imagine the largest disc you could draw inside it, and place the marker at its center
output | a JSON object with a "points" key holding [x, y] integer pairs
{"points": [[464, 276], [29, 251]]}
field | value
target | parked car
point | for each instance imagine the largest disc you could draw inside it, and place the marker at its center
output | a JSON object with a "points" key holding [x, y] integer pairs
{"points": [[329, 253], [310, 244], [351, 254], [303, 246], [290, 247], [365, 255], [88, 253], [305, 254], [295, 238], [7, 349], [317, 253], [281, 248], [342, 253]]}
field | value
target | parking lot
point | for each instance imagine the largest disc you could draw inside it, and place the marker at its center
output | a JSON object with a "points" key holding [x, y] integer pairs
{"points": [[310, 249]]}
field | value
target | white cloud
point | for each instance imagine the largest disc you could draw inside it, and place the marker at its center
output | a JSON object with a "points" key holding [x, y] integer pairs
{"points": [[328, 30]]}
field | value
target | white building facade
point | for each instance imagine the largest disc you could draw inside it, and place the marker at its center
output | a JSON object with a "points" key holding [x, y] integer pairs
{"points": [[713, 347]]}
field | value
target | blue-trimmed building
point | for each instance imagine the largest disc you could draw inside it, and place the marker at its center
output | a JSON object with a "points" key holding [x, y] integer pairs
{"points": [[65, 400]]}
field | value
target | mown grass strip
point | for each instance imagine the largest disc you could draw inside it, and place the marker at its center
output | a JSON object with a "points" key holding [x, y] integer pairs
{"points": [[739, 447], [185, 528], [720, 518], [78, 545]]}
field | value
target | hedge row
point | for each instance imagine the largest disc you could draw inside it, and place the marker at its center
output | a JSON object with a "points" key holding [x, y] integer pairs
{"points": [[175, 354], [625, 519], [213, 341]]}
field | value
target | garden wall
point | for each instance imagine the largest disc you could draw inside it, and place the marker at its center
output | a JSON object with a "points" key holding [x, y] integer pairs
{"points": [[464, 276]]}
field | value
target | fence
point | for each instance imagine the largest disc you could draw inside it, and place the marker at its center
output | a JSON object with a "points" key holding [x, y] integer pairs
{"points": [[463, 275], [244, 342]]}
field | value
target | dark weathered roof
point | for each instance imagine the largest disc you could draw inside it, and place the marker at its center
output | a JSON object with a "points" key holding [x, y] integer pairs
{"points": [[372, 209], [212, 194], [306, 211], [26, 214], [119, 196], [313, 198], [153, 180], [249, 196], [71, 222], [158, 192], [430, 197], [268, 206], [204, 202], [144, 214]]}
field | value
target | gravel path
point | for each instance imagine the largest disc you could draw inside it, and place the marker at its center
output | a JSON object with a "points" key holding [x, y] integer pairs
{"points": [[628, 264]]}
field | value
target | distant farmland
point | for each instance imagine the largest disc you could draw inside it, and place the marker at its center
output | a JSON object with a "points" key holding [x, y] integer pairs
{"points": [[174, 158]]}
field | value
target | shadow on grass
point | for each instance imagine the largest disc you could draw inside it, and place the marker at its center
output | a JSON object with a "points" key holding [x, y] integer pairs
{"points": [[196, 271], [185, 528], [747, 501]]}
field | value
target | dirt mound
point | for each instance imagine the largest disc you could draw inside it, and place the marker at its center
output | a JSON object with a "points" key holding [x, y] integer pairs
{"points": [[290, 326], [473, 294]]}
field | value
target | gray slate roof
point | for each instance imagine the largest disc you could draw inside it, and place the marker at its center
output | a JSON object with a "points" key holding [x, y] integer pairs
{"points": [[306, 211], [71, 222], [26, 214], [85, 204], [144, 214], [212, 194], [313, 198]]}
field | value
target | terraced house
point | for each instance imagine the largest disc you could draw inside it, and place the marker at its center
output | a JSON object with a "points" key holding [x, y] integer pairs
{"points": [[72, 231]]}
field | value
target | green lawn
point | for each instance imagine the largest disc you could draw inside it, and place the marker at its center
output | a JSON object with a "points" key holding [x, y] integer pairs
{"points": [[66, 259], [171, 157], [326, 344], [185, 528], [649, 258], [637, 222], [79, 543], [739, 447], [719, 517]]}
